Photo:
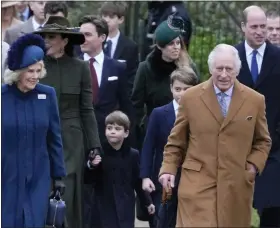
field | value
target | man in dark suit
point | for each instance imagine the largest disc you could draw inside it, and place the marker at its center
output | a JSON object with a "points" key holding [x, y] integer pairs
{"points": [[109, 88], [273, 26], [29, 26], [109, 80], [261, 71], [118, 46]]}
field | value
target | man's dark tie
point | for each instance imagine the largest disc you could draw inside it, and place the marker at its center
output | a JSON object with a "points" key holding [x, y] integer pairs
{"points": [[21, 16], [94, 81], [108, 48], [254, 66]]}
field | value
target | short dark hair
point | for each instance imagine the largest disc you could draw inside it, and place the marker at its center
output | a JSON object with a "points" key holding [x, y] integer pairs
{"points": [[119, 118], [113, 8], [185, 75], [99, 23], [56, 7], [272, 13]]}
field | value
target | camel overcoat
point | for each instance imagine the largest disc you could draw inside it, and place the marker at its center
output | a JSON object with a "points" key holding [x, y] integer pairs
{"points": [[215, 188]]}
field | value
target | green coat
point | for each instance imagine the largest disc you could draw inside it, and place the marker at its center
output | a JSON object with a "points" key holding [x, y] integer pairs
{"points": [[72, 81]]}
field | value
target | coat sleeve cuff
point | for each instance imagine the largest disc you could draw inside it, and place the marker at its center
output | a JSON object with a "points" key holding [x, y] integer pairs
{"points": [[170, 169]]}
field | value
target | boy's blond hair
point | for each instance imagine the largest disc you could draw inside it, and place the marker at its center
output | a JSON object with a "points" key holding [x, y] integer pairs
{"points": [[119, 118], [185, 75], [113, 8]]}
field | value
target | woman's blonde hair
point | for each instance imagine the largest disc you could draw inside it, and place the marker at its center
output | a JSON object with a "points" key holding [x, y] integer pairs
{"points": [[184, 59], [11, 77]]}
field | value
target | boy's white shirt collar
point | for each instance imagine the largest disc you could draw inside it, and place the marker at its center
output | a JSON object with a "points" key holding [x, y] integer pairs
{"points": [[176, 106]]}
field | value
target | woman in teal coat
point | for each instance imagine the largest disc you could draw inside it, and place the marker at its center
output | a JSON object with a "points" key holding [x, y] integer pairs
{"points": [[31, 148]]}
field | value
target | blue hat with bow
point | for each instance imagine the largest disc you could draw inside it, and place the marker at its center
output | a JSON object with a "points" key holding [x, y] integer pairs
{"points": [[25, 51]]}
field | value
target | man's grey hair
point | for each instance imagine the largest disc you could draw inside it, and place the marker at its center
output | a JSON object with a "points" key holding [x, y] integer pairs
{"points": [[219, 50], [11, 77]]}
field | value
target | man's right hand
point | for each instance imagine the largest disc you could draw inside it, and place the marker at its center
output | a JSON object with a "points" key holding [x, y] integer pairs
{"points": [[148, 185], [167, 181]]}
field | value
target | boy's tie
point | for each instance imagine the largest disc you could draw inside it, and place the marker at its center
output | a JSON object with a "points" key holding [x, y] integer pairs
{"points": [[108, 48]]}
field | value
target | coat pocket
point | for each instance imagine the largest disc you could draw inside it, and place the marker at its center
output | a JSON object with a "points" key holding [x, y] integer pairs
{"points": [[192, 165]]}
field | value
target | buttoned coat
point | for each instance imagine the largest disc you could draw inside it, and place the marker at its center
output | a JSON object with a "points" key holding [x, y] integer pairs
{"points": [[215, 189]]}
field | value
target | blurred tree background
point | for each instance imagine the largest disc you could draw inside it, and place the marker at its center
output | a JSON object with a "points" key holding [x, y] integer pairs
{"points": [[213, 22]]}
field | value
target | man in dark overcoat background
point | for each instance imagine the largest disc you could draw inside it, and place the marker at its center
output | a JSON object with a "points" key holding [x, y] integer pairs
{"points": [[261, 71]]}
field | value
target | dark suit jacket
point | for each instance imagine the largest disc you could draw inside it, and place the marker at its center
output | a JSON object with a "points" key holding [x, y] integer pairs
{"points": [[267, 186], [15, 32], [127, 50], [160, 123], [112, 93]]}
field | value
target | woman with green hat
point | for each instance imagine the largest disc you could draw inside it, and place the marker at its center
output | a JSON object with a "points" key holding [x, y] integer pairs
{"points": [[152, 81], [71, 79], [31, 150]]}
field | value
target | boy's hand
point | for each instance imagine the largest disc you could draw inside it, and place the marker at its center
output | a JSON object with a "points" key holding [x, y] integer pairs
{"points": [[148, 185], [96, 160], [151, 209]]}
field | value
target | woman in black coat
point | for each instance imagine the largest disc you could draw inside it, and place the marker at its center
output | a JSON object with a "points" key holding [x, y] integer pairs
{"points": [[152, 82]]}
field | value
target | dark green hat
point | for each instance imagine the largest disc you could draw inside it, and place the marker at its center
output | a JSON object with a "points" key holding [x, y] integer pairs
{"points": [[165, 33]]}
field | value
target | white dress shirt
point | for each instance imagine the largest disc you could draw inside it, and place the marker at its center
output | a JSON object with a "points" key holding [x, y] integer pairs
{"points": [[227, 98], [114, 40], [176, 106], [35, 24], [97, 64], [249, 55]]}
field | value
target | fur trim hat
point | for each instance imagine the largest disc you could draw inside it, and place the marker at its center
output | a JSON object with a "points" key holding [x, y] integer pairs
{"points": [[25, 51], [169, 30]]}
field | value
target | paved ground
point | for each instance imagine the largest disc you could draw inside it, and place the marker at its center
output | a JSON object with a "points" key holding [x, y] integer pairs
{"points": [[141, 224]]}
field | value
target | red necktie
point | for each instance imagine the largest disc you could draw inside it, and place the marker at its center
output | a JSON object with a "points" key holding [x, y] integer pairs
{"points": [[94, 81]]}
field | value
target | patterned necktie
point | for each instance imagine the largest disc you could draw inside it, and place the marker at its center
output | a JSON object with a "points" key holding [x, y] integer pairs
{"points": [[108, 48], [94, 81], [254, 66], [222, 102]]}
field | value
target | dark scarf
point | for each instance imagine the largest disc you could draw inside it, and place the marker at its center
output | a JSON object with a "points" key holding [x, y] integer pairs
{"points": [[161, 68], [108, 150]]}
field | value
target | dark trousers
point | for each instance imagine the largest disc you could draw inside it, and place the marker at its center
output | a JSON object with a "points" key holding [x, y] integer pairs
{"points": [[270, 217]]}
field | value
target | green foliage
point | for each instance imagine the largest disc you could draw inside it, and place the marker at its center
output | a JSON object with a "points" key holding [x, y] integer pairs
{"points": [[201, 45]]}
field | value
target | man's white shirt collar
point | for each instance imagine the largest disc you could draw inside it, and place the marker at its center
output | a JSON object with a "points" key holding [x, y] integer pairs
{"points": [[99, 58], [115, 38], [249, 50], [35, 24], [228, 92]]}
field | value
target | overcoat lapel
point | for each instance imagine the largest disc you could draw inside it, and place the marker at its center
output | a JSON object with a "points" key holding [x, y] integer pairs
{"points": [[170, 114], [209, 98], [119, 47], [236, 102], [267, 65]]}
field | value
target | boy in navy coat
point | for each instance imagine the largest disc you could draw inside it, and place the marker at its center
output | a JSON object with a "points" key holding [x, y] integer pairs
{"points": [[116, 177], [160, 123]]}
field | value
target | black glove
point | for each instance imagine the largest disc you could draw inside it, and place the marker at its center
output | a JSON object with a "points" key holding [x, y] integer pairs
{"points": [[92, 154], [58, 185]]}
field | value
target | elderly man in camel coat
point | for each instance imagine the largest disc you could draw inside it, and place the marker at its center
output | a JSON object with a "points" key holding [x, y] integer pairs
{"points": [[221, 140]]}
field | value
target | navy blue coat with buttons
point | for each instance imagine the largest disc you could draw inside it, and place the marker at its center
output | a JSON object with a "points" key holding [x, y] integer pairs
{"points": [[31, 154], [116, 178]]}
